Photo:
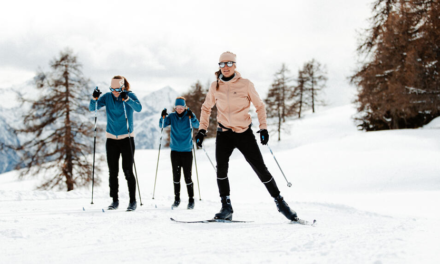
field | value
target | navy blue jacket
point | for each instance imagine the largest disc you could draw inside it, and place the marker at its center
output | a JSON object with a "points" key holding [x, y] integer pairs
{"points": [[116, 123], [181, 136]]}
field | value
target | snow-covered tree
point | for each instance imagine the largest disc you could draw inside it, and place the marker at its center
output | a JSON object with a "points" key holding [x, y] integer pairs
{"points": [[398, 82]]}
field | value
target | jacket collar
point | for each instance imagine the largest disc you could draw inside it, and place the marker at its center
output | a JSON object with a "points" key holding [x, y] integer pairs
{"points": [[235, 79], [119, 97]]}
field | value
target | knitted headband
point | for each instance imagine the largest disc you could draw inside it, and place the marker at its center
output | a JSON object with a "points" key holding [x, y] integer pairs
{"points": [[227, 56], [116, 83], [180, 101]]}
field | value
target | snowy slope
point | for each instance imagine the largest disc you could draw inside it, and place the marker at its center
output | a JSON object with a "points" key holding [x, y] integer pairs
{"points": [[374, 195]]}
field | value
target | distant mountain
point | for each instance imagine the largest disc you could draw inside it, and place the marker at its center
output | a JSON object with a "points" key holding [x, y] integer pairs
{"points": [[146, 124], [8, 157]]}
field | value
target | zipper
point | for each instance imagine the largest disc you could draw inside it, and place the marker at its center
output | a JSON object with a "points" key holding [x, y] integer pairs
{"points": [[229, 107]]}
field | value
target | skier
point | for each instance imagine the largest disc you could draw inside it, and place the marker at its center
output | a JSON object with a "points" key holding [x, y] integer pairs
{"points": [[118, 140], [181, 146], [233, 95]]}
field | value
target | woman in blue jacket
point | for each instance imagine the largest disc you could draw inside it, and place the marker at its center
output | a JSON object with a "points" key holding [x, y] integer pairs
{"points": [[118, 139], [181, 146]]}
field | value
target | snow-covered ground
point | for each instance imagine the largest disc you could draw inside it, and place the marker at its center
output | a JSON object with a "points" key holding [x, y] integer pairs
{"points": [[375, 196]]}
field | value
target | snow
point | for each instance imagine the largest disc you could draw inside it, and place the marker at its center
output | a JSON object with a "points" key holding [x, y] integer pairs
{"points": [[375, 196], [434, 124]]}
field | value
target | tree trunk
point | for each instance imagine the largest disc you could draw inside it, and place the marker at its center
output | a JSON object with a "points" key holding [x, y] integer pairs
{"points": [[300, 101], [279, 125], [313, 94], [68, 166]]}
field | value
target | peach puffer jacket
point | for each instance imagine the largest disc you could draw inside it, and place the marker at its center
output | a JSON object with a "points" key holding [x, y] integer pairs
{"points": [[233, 100]]}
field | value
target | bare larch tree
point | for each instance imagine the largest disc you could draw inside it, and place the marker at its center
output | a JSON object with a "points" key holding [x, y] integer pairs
{"points": [[61, 134], [315, 75], [278, 103], [398, 81]]}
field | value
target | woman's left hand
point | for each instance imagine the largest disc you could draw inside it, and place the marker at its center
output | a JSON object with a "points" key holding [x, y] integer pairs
{"points": [[124, 96], [264, 136]]}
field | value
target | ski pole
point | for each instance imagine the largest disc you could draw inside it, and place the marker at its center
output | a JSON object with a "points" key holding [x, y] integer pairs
{"points": [[288, 183], [94, 145], [195, 159], [131, 149], [160, 144], [209, 159]]}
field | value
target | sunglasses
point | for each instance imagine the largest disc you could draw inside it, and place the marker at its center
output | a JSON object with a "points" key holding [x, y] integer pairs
{"points": [[116, 89], [179, 107], [229, 63]]}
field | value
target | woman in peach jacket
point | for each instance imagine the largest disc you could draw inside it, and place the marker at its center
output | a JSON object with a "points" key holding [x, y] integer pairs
{"points": [[233, 95]]}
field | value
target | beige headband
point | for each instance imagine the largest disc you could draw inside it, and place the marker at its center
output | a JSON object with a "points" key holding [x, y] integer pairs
{"points": [[227, 56], [117, 82]]}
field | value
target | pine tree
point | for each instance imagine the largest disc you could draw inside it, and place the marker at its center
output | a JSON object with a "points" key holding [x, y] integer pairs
{"points": [[399, 82], [315, 76], [298, 95], [277, 101], [57, 121]]}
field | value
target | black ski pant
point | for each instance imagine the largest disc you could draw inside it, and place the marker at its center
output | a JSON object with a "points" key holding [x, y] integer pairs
{"points": [[181, 160], [116, 148], [245, 142]]}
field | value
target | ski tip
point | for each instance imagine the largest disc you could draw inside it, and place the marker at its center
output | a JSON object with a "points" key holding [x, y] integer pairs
{"points": [[84, 209], [103, 210], [155, 206]]}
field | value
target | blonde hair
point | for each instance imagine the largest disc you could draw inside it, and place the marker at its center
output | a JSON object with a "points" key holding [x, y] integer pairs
{"points": [[126, 84]]}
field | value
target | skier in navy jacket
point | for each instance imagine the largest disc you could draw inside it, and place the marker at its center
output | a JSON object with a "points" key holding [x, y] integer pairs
{"points": [[117, 135], [181, 146]]}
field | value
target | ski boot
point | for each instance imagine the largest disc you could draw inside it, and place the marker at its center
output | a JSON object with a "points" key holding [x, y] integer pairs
{"points": [[114, 205], [190, 204], [175, 204], [132, 206], [284, 208], [226, 210]]}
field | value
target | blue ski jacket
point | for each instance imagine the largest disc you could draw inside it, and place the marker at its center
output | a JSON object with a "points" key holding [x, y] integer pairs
{"points": [[116, 123], [181, 136]]}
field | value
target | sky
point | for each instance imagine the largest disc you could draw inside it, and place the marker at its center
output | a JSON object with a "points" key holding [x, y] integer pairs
{"points": [[175, 43]]}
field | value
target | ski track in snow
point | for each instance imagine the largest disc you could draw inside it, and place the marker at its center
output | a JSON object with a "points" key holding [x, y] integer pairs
{"points": [[59, 231], [384, 213]]}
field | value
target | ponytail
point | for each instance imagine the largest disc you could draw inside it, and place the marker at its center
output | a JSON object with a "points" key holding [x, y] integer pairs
{"points": [[126, 84], [217, 74]]}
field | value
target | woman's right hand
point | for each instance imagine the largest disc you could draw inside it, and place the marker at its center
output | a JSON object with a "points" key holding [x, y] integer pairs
{"points": [[164, 113]]}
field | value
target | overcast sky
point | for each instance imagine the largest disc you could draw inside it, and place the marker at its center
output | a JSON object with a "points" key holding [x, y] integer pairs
{"points": [[159, 43]]}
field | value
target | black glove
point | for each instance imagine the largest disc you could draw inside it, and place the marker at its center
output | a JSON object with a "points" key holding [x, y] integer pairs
{"points": [[189, 113], [200, 136], [96, 93], [264, 136], [124, 95], [164, 113]]}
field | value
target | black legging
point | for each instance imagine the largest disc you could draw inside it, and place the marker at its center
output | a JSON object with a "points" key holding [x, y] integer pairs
{"points": [[181, 160], [116, 148], [225, 143]]}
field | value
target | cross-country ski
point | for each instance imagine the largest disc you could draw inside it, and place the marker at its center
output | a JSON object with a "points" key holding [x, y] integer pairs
{"points": [[210, 221]]}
